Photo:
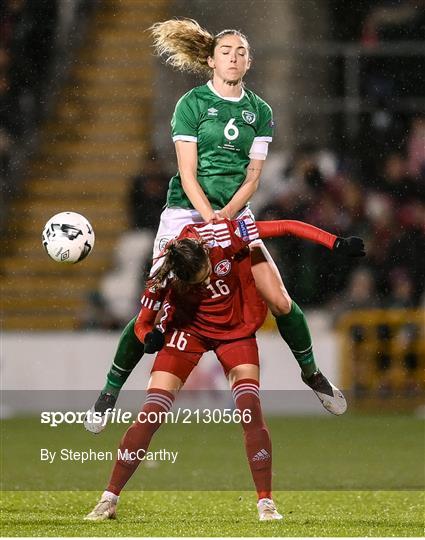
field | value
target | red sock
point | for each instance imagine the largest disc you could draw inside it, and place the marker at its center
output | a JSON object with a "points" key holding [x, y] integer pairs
{"points": [[257, 439], [136, 440]]}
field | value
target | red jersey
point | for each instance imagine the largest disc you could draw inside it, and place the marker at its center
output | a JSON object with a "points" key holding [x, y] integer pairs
{"points": [[229, 307]]}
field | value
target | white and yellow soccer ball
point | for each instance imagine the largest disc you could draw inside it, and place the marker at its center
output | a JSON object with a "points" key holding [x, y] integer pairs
{"points": [[68, 237]]}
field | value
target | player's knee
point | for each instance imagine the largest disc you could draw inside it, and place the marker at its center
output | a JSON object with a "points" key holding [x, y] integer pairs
{"points": [[280, 305]]}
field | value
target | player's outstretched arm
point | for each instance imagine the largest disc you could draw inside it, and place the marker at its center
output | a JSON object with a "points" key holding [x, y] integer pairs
{"points": [[351, 246]]}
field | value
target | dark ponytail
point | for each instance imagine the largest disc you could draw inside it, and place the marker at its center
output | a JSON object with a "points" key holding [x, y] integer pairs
{"points": [[183, 260]]}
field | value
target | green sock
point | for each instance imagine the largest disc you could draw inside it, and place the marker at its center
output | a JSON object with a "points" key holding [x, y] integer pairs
{"points": [[130, 350], [294, 330]]}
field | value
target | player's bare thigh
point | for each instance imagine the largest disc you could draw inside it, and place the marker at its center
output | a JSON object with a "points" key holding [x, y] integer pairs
{"points": [[244, 371], [165, 381], [171, 383], [268, 281]]}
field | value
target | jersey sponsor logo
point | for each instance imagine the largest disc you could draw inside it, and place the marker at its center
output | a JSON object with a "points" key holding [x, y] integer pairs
{"points": [[223, 267], [212, 111], [243, 230], [248, 116]]}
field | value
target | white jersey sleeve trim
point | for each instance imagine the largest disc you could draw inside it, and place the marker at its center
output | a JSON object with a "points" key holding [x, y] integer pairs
{"points": [[263, 139], [259, 149], [187, 138], [260, 157]]}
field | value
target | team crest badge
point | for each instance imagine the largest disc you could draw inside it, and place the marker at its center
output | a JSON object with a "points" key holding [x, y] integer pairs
{"points": [[163, 242], [223, 267], [248, 116]]}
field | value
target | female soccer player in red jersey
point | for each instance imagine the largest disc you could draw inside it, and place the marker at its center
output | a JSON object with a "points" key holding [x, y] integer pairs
{"points": [[210, 302]]}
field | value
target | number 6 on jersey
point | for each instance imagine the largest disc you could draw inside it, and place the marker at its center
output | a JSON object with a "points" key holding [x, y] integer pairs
{"points": [[231, 132]]}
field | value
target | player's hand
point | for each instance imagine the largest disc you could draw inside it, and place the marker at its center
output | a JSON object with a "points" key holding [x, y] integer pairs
{"points": [[350, 247], [211, 217], [154, 341], [217, 216], [224, 213]]}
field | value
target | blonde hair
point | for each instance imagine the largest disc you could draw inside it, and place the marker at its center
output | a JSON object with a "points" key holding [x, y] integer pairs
{"points": [[186, 45]]}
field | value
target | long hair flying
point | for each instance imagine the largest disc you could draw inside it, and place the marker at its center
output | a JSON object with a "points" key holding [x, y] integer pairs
{"points": [[186, 45]]}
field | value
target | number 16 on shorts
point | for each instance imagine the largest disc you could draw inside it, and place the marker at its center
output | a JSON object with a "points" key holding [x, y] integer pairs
{"points": [[178, 340]]}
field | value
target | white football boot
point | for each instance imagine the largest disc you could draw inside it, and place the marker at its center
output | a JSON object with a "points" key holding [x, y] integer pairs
{"points": [[329, 395], [104, 404], [267, 510], [104, 509]]}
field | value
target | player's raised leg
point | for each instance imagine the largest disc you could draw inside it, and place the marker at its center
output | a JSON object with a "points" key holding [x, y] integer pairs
{"points": [[129, 351], [293, 328]]}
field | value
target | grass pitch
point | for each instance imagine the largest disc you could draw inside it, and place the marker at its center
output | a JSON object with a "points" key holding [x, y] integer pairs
{"points": [[167, 513], [351, 476]]}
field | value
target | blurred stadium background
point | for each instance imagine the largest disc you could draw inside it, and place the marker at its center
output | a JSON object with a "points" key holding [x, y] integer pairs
{"points": [[85, 111]]}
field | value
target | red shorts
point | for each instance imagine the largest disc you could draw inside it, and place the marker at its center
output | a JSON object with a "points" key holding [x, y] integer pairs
{"points": [[182, 351]]}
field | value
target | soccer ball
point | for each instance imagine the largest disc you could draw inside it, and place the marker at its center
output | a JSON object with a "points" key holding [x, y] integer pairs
{"points": [[68, 237]]}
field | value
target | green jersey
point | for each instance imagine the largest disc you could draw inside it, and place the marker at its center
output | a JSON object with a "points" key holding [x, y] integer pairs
{"points": [[224, 130]]}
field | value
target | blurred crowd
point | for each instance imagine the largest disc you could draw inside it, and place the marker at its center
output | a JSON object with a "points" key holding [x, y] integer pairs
{"points": [[392, 20], [27, 35], [386, 208], [372, 182], [26, 50], [34, 47]]}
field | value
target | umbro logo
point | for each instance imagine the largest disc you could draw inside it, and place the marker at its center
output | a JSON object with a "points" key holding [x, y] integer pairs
{"points": [[262, 455], [212, 111]]}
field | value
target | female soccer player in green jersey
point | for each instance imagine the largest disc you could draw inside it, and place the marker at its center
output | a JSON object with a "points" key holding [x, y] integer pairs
{"points": [[221, 132]]}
